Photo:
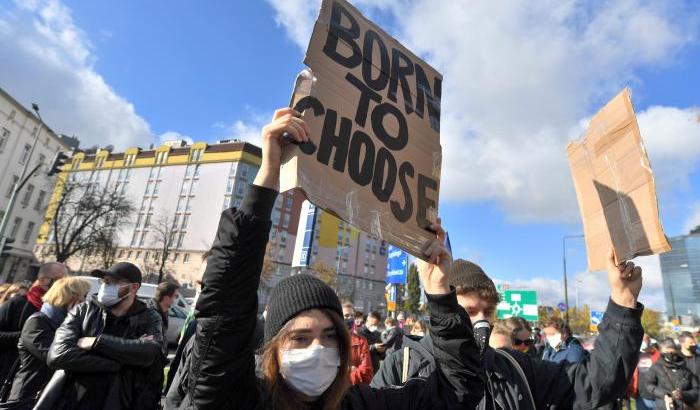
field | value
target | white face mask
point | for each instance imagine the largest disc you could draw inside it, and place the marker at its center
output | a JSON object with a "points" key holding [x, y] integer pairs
{"points": [[644, 346], [108, 295], [554, 341], [310, 371], [372, 328]]}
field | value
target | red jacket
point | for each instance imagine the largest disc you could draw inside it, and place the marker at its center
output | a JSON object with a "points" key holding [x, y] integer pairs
{"points": [[361, 361], [645, 360]]}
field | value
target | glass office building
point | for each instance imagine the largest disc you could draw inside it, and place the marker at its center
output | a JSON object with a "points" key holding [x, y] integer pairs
{"points": [[680, 272]]}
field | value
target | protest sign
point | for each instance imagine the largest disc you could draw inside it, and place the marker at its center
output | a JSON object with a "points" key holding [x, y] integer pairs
{"points": [[615, 187], [373, 109]]}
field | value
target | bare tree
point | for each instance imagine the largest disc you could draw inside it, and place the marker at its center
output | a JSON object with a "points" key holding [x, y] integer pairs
{"points": [[164, 232], [84, 214], [106, 247]]}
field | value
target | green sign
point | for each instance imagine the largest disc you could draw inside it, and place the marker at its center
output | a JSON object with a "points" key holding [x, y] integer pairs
{"points": [[522, 303]]}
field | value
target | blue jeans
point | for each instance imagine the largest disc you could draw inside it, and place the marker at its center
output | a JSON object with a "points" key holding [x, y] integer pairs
{"points": [[645, 404]]}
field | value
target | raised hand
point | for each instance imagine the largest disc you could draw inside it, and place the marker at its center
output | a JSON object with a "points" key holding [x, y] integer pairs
{"points": [[285, 120], [625, 281], [434, 271]]}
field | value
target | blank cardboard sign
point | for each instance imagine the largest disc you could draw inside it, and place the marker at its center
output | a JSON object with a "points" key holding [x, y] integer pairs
{"points": [[373, 109], [615, 187]]}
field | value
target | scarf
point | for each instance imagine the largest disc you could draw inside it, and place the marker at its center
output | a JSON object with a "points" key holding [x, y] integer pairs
{"points": [[34, 296], [54, 313]]}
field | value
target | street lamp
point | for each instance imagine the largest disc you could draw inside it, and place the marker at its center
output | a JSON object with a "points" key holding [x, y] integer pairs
{"points": [[566, 284]]}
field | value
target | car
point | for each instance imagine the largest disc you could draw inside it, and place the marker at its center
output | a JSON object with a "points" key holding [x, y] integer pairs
{"points": [[176, 315]]}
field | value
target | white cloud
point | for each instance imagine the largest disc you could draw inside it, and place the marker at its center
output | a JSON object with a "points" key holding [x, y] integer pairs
{"points": [[694, 219], [593, 287], [47, 59], [519, 77], [174, 135]]}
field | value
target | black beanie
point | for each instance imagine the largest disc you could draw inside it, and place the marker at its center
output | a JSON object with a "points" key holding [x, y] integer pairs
{"points": [[467, 276], [295, 294]]}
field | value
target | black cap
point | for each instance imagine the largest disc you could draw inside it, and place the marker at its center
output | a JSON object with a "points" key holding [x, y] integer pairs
{"points": [[294, 295], [122, 270]]}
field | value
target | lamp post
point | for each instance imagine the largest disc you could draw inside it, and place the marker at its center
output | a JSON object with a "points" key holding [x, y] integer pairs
{"points": [[24, 176], [566, 284]]}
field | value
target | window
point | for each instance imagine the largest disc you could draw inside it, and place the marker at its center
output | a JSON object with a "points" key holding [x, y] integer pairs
{"points": [[193, 188], [285, 224], [227, 201], [129, 255], [152, 173], [144, 234], [196, 155], [185, 219], [181, 204], [134, 238], [229, 186], [290, 201], [28, 195], [15, 178], [240, 189], [148, 189], [237, 203], [40, 200], [147, 221], [175, 256], [28, 232], [232, 171], [188, 208], [138, 255], [156, 188], [196, 171], [176, 219], [15, 227], [99, 162], [244, 171], [186, 258], [145, 255], [180, 240], [41, 161], [185, 188], [161, 157], [25, 154], [130, 159], [188, 171], [4, 137]]}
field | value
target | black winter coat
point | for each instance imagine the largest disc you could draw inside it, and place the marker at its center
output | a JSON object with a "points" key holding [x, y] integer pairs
{"points": [[121, 371], [221, 369], [13, 314], [598, 380], [665, 377], [34, 373], [372, 339]]}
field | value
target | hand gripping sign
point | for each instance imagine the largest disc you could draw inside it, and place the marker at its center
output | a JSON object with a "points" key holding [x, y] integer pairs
{"points": [[373, 109], [615, 187]]}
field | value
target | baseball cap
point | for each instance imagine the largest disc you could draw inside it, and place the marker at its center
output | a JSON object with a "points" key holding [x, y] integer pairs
{"points": [[122, 270]]}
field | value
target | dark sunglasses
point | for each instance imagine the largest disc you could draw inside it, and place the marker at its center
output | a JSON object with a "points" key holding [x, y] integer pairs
{"points": [[526, 342]]}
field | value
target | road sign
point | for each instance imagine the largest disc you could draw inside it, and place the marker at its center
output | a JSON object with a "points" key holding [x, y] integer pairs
{"points": [[521, 303], [562, 306], [396, 265], [596, 318], [391, 298]]}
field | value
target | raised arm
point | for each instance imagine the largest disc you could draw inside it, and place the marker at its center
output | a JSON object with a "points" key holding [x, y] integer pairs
{"points": [[221, 362]]}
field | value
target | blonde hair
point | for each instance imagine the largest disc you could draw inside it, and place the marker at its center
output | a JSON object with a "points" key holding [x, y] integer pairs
{"points": [[65, 290]]}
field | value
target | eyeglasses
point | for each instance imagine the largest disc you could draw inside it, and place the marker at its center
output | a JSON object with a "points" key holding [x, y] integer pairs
{"points": [[526, 342]]}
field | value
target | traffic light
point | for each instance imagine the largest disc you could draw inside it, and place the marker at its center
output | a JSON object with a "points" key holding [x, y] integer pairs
{"points": [[59, 160], [7, 246]]}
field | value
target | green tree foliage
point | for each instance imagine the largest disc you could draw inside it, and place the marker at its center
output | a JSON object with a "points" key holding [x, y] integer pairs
{"points": [[651, 321], [412, 302]]}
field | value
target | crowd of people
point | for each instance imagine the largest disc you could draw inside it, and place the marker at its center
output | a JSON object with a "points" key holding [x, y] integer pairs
{"points": [[61, 349]]}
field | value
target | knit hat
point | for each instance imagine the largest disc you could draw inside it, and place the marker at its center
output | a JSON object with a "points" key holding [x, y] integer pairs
{"points": [[296, 294], [466, 276]]}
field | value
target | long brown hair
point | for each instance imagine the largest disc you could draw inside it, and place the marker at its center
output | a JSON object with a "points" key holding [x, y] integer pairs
{"points": [[281, 396]]}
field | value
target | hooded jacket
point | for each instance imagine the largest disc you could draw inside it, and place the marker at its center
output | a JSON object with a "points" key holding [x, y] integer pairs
{"points": [[596, 381], [121, 371], [665, 377], [220, 367]]}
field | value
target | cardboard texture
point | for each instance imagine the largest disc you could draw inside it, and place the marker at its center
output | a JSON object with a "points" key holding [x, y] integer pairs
{"points": [[373, 109], [615, 187]]}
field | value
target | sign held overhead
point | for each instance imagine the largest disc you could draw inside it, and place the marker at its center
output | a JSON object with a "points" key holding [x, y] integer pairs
{"points": [[615, 187], [373, 109]]}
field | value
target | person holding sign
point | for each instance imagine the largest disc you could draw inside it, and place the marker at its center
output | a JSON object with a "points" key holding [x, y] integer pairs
{"points": [[305, 360], [516, 380]]}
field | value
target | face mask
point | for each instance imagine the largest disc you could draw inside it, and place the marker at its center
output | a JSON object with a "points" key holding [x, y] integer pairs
{"points": [[310, 371], [372, 328], [482, 333], [349, 323], [108, 295], [669, 357], [644, 346], [554, 341]]}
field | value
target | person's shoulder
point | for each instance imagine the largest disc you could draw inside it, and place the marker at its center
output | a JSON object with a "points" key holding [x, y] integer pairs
{"points": [[15, 301]]}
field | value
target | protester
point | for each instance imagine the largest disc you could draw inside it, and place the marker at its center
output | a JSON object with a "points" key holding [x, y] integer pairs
{"points": [[14, 313], [521, 336], [500, 337], [166, 294], [419, 328], [594, 382], [689, 352], [37, 335], [670, 381], [392, 336], [361, 370], [562, 346], [307, 352], [540, 342], [370, 332], [401, 320], [649, 354], [108, 348], [11, 289]]}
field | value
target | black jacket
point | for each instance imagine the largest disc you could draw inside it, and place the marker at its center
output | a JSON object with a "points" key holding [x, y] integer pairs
{"points": [[421, 363], [13, 314], [153, 304], [121, 371], [693, 364], [372, 339], [33, 374], [664, 377], [594, 382], [221, 369]]}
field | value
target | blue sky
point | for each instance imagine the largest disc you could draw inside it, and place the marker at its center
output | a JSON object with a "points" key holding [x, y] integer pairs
{"points": [[520, 81]]}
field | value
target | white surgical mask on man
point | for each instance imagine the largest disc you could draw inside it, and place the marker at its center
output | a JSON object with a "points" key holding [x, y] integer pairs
{"points": [[554, 340], [372, 328], [312, 370], [108, 295]]}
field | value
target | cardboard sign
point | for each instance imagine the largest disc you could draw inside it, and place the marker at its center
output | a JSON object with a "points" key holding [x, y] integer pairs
{"points": [[373, 108], [615, 187]]}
